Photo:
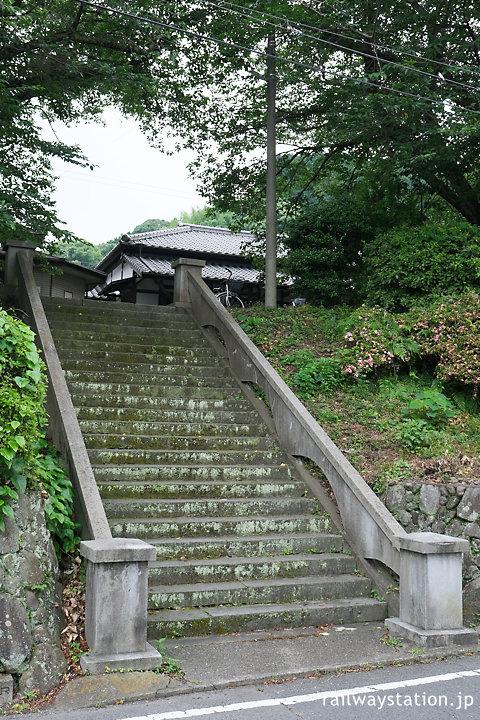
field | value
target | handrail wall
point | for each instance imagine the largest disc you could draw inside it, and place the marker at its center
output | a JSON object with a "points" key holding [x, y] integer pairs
{"points": [[370, 528], [63, 423]]}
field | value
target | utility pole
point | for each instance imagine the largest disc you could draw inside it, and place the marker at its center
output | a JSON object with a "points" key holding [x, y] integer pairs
{"points": [[271, 200]]}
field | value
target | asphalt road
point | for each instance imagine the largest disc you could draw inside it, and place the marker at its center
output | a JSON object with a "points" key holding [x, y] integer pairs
{"points": [[430, 691]]}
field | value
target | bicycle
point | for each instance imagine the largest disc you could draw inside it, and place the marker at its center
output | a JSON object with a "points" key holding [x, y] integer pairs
{"points": [[229, 297]]}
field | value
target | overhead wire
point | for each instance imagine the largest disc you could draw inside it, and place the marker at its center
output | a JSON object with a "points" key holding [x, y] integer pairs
{"points": [[279, 58], [231, 6]]}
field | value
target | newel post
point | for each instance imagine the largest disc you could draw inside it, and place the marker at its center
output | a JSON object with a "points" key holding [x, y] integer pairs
{"points": [[182, 266], [13, 247], [116, 605], [431, 591]]}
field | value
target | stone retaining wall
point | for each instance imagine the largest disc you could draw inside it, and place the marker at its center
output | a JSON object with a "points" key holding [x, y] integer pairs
{"points": [[31, 616], [450, 509]]}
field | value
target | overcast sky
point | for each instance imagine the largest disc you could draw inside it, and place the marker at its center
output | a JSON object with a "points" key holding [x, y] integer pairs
{"points": [[131, 183]]}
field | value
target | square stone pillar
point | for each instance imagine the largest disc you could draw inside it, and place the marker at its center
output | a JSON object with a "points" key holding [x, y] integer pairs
{"points": [[431, 591], [182, 266], [13, 247], [116, 605]]}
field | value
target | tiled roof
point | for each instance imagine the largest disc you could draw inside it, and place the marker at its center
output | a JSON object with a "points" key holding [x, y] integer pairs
{"points": [[210, 272], [193, 238]]}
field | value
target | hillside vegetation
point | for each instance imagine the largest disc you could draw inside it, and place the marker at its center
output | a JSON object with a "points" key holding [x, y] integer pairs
{"points": [[396, 393]]}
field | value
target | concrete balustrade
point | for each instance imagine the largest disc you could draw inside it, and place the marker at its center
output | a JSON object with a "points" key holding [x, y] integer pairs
{"points": [[116, 592], [429, 564]]}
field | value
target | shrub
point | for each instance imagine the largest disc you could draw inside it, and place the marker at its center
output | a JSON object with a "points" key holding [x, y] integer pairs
{"points": [[324, 250], [408, 266], [26, 459], [22, 413], [449, 332], [376, 339]]}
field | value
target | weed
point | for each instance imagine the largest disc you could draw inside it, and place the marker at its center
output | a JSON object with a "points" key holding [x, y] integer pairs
{"points": [[392, 641], [374, 594]]}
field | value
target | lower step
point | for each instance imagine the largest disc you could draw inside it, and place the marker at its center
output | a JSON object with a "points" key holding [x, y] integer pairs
{"points": [[256, 592], [224, 620]]}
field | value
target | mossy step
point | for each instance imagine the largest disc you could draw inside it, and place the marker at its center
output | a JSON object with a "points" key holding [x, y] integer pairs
{"points": [[177, 442], [172, 489], [176, 337], [195, 429], [161, 356], [59, 322], [161, 377], [147, 529], [215, 368], [55, 306], [162, 509], [171, 414], [160, 403], [229, 474], [181, 346], [183, 457], [158, 389], [257, 592], [249, 546], [226, 620], [249, 568]]}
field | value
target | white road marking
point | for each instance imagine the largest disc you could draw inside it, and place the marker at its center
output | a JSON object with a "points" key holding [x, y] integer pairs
{"points": [[312, 697]]}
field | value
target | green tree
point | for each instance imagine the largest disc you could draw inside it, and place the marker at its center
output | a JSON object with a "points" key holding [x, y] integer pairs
{"points": [[66, 60], [324, 245], [407, 266], [384, 87]]}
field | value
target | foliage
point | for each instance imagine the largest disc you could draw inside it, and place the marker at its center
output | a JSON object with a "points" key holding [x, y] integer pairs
{"points": [[369, 417], [59, 505], [449, 332], [376, 339], [26, 459], [432, 406], [388, 92], [84, 252], [66, 61], [408, 265], [22, 414], [324, 247], [313, 375]]}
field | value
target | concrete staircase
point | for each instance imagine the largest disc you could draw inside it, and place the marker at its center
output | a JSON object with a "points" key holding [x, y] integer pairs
{"points": [[184, 462]]}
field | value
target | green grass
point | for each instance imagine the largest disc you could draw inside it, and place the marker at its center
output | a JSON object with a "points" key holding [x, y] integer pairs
{"points": [[372, 420]]}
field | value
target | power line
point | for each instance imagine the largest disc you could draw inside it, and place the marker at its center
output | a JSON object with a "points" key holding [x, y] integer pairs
{"points": [[464, 68], [398, 51], [260, 53], [229, 6]]}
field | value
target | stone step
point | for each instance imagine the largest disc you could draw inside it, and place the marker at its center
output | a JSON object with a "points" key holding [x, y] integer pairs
{"points": [[262, 547], [169, 414], [214, 368], [229, 474], [172, 489], [62, 322], [224, 620], [108, 309], [257, 592], [166, 509], [160, 403], [169, 442], [221, 392], [146, 529], [238, 569], [118, 456], [193, 429], [181, 346], [165, 356], [160, 378], [176, 337]]}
